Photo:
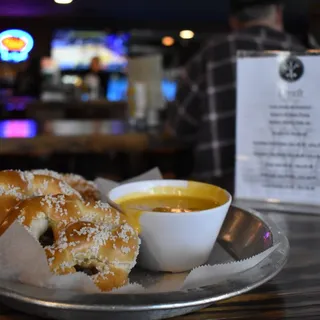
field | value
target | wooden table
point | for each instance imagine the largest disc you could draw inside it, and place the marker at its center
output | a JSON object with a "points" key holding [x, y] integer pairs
{"points": [[293, 294]]}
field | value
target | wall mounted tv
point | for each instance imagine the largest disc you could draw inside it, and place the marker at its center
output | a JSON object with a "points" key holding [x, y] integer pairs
{"points": [[74, 49]]}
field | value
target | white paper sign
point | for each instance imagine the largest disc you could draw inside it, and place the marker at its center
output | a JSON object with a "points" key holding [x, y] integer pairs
{"points": [[278, 129]]}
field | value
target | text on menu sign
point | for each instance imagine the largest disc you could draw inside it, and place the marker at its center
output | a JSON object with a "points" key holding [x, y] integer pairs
{"points": [[278, 136]]}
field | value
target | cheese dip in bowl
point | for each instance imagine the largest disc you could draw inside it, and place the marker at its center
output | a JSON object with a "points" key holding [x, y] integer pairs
{"points": [[178, 221]]}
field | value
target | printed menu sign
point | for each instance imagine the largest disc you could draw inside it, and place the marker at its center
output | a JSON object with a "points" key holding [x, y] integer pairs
{"points": [[278, 128]]}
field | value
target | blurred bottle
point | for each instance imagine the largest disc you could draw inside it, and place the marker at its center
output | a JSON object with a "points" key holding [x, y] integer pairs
{"points": [[92, 82], [156, 102], [140, 95], [137, 102]]}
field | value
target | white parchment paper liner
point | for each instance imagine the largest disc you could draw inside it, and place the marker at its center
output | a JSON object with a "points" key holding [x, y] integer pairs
{"points": [[22, 259]]}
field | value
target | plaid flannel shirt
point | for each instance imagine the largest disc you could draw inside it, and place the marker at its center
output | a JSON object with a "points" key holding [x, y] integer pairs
{"points": [[204, 110]]}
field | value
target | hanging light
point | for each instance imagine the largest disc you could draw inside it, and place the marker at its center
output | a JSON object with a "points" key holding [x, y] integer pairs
{"points": [[63, 1], [186, 34], [168, 41]]}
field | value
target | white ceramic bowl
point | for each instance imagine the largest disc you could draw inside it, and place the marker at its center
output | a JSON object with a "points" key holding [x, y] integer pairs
{"points": [[176, 242]]}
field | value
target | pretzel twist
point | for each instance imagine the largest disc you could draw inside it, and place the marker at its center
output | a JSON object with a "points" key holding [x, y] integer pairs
{"points": [[17, 185], [87, 189], [85, 236]]}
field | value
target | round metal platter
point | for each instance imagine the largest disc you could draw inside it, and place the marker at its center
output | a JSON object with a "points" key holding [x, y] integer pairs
{"points": [[243, 235]]}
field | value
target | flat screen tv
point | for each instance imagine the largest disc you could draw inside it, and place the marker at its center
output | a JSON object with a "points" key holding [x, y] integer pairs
{"points": [[74, 49]]}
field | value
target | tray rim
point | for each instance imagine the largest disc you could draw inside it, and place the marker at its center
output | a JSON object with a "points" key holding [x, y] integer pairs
{"points": [[152, 301]]}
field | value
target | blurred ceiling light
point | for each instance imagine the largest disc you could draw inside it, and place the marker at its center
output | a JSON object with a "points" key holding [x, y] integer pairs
{"points": [[167, 41], [63, 1], [186, 34]]}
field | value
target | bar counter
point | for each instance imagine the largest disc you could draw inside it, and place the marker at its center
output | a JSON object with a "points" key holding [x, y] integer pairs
{"points": [[293, 294], [75, 136], [84, 110], [41, 110], [73, 144]]}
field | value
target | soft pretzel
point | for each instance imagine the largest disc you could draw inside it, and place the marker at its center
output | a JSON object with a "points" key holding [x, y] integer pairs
{"points": [[86, 237], [17, 185], [87, 189]]}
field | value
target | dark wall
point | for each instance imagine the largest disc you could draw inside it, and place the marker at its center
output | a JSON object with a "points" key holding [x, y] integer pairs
{"points": [[42, 28]]}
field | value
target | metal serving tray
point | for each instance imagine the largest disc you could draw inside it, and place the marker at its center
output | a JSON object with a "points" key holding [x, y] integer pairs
{"points": [[243, 235]]}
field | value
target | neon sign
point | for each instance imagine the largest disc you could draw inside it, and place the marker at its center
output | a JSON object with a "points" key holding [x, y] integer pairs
{"points": [[15, 45]]}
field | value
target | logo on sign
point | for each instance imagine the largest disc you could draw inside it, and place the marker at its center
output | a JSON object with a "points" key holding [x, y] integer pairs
{"points": [[15, 45], [291, 69]]}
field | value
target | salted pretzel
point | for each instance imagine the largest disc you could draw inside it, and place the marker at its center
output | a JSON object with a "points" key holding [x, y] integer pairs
{"points": [[86, 237], [87, 189], [17, 185]]}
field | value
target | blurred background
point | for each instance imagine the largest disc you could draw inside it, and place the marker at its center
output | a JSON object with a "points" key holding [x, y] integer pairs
{"points": [[54, 114]]}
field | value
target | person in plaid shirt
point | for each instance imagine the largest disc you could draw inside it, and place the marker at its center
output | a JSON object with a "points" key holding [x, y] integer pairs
{"points": [[205, 106]]}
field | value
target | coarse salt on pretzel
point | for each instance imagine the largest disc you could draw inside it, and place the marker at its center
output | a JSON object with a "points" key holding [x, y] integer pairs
{"points": [[17, 185], [88, 237], [87, 189], [109, 254]]}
